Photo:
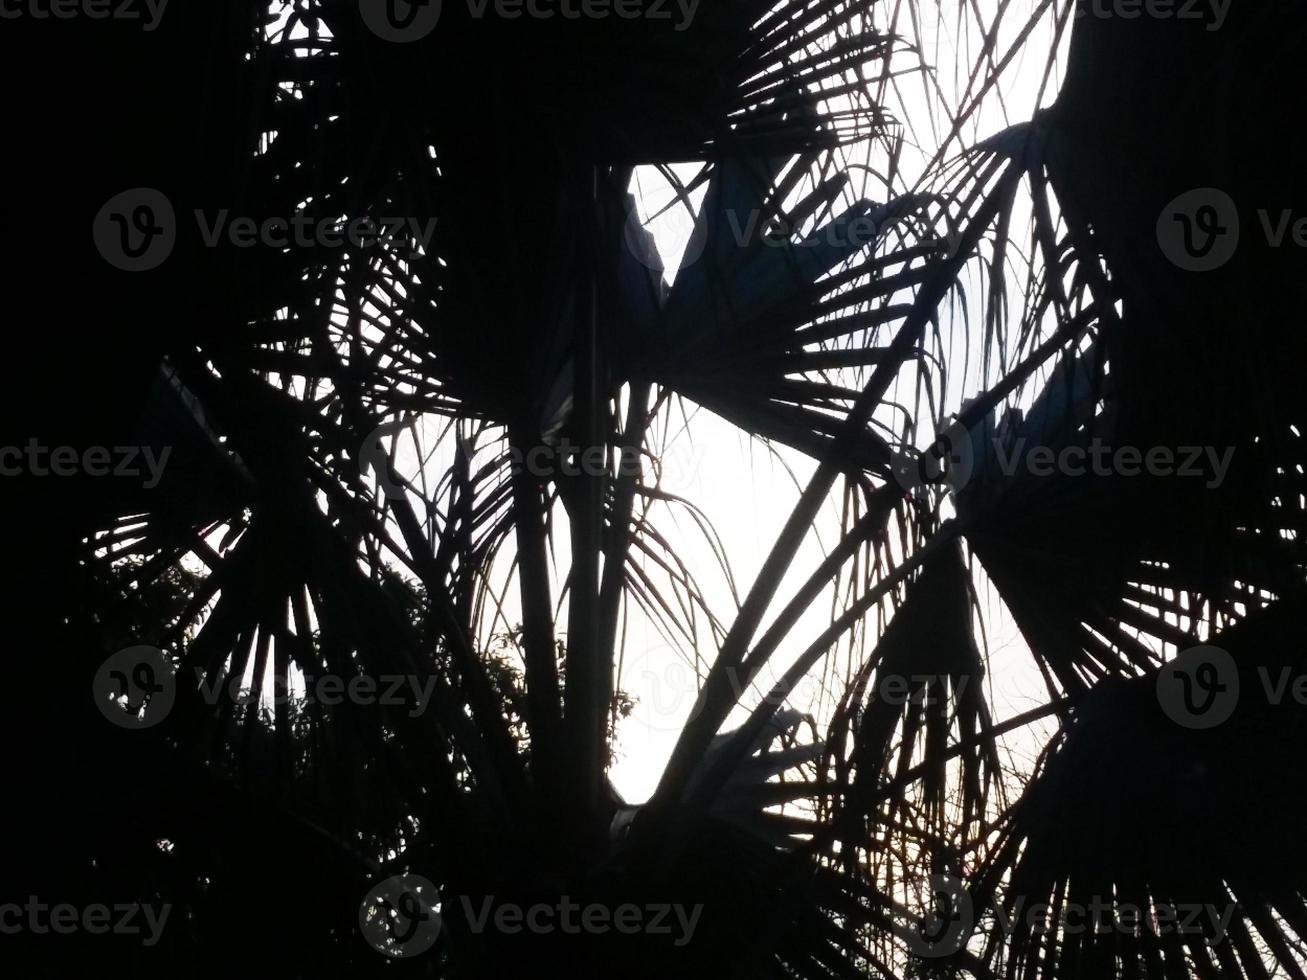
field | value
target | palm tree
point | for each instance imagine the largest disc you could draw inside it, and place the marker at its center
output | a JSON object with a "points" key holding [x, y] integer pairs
{"points": [[380, 467]]}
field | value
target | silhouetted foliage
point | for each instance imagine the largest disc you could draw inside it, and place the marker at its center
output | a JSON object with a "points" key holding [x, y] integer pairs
{"points": [[346, 494]]}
